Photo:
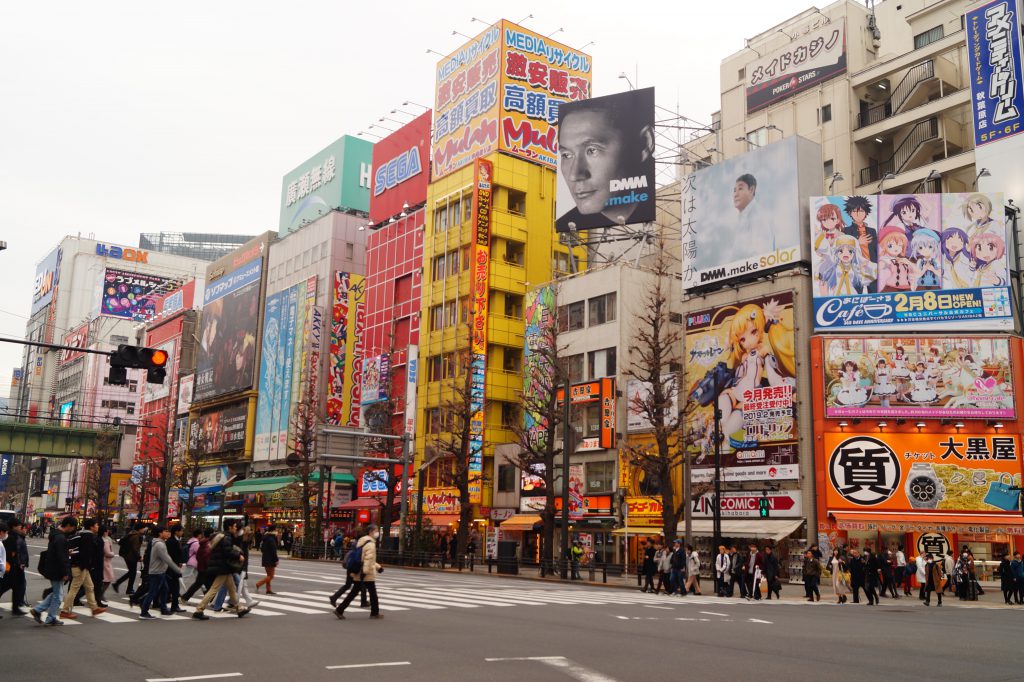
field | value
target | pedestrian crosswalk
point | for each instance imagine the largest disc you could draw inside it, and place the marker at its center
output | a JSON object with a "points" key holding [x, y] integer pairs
{"points": [[408, 593]]}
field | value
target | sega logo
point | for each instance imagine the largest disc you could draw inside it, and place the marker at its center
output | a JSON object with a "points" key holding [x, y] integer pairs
{"points": [[396, 171], [375, 481]]}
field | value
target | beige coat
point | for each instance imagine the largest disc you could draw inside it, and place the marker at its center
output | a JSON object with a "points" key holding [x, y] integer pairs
{"points": [[370, 564]]}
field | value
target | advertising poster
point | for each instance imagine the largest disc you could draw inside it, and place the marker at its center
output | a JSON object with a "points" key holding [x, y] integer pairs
{"points": [[347, 318], [741, 216], [936, 378], [994, 54], [66, 413], [131, 295], [227, 349], [922, 472], [411, 376], [77, 338], [538, 76], [47, 278], [638, 393], [441, 501], [219, 430], [466, 103], [606, 161], [478, 334], [929, 261], [537, 373], [271, 370], [376, 376], [532, 491], [742, 359], [153, 392], [401, 169], [784, 504], [807, 62], [185, 387], [6, 466], [576, 506]]}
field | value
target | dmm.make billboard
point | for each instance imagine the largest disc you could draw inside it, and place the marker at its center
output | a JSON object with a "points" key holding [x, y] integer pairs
{"points": [[910, 261], [741, 357], [502, 91], [227, 349], [401, 169], [921, 472], [281, 367], [918, 377], [338, 177], [806, 62], [482, 194], [345, 362], [741, 217]]}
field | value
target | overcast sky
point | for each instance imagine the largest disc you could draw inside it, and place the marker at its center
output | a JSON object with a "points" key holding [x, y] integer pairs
{"points": [[127, 117]]}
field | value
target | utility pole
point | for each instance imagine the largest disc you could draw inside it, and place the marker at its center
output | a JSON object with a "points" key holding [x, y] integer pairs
{"points": [[718, 472], [403, 513], [566, 450]]}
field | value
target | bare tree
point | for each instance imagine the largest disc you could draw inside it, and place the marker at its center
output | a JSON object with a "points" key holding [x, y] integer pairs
{"points": [[304, 425], [544, 375], [655, 361], [186, 475], [380, 419]]}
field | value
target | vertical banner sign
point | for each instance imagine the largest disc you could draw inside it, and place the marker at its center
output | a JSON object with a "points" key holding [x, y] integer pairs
{"points": [[576, 507], [270, 378], [6, 464], [411, 372], [339, 340], [993, 48], [538, 375], [357, 324], [481, 261]]}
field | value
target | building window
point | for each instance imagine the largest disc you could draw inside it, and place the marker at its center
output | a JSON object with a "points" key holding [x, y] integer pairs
{"points": [[511, 359], [350, 250], [601, 363], [453, 213], [436, 318], [507, 478], [571, 317], [467, 207], [758, 138], [451, 313], [573, 367], [600, 476], [464, 307], [515, 252], [440, 219], [928, 37], [826, 113], [675, 318], [465, 258], [741, 75], [560, 262], [438, 271], [829, 169], [590, 427], [516, 202], [453, 263], [602, 309], [514, 306], [510, 415]]}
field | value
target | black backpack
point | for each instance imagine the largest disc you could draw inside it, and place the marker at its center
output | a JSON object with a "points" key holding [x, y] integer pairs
{"points": [[41, 565]]}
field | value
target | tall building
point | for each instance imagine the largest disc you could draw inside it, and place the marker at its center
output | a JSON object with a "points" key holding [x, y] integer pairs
{"points": [[201, 245], [337, 178], [489, 231]]}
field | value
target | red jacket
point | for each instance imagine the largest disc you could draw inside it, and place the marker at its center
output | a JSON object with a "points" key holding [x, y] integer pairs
{"points": [[758, 563]]}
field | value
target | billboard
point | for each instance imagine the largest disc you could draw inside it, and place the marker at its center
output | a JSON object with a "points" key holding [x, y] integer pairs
{"points": [[997, 89], [67, 410], [602, 392], [186, 385], [484, 171], [401, 169], [741, 217], [606, 161], [227, 350], [807, 62], [898, 261], [131, 295], [344, 371], [77, 338], [742, 358], [502, 90], [47, 278], [537, 372], [784, 504], [218, 430], [922, 472], [337, 177], [376, 379], [637, 394], [936, 378], [538, 76], [532, 490]]}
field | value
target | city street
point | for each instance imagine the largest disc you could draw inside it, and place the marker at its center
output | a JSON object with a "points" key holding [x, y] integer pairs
{"points": [[470, 627]]}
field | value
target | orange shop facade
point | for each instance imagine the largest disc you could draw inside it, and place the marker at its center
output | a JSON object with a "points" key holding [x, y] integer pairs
{"points": [[931, 461]]}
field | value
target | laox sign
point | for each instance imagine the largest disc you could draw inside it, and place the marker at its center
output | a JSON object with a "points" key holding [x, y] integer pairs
{"points": [[126, 253]]}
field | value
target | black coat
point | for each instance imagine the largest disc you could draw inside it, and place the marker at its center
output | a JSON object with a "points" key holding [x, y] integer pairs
{"points": [[83, 550], [269, 549], [58, 563], [871, 567], [856, 568], [175, 550], [770, 567], [220, 556]]}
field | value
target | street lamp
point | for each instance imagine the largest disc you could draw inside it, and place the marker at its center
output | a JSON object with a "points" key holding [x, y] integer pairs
{"points": [[3, 244], [626, 78], [836, 177], [881, 183], [983, 173]]}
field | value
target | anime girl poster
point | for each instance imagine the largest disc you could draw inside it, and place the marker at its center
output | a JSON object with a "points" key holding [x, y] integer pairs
{"points": [[910, 212], [835, 221], [974, 242]]}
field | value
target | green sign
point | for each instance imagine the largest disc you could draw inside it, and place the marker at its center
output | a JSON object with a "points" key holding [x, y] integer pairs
{"points": [[338, 177]]}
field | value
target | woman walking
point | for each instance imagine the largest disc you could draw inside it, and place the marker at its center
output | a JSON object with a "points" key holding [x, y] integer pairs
{"points": [[367, 575], [269, 560], [840, 582], [663, 561], [108, 566]]}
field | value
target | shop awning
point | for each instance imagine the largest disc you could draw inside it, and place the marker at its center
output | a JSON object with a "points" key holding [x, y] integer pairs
{"points": [[336, 477], [437, 520], [208, 509], [931, 523], [200, 490], [772, 529], [521, 522], [361, 503], [639, 530], [260, 485]]}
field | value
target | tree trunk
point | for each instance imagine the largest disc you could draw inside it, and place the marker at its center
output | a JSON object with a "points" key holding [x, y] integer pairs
{"points": [[668, 507], [389, 504]]}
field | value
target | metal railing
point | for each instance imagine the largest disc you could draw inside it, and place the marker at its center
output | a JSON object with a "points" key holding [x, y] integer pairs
{"points": [[922, 132], [900, 94]]}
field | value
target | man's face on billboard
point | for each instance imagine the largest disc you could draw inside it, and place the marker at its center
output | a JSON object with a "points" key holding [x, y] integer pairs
{"points": [[592, 154], [742, 195]]}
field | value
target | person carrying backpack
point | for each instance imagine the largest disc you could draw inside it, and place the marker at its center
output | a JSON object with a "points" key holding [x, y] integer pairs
{"points": [[55, 566], [363, 566], [349, 579], [225, 560]]}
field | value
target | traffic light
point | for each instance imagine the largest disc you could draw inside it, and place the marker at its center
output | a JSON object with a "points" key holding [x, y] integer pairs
{"points": [[763, 506], [153, 360]]}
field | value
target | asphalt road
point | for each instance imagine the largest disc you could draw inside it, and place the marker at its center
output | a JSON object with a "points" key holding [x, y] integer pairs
{"points": [[474, 627]]}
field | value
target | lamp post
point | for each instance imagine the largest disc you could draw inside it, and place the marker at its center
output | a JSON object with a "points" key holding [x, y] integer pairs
{"points": [[717, 530]]}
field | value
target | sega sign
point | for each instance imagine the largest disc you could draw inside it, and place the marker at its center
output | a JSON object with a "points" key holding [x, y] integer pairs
{"points": [[373, 482], [400, 174]]}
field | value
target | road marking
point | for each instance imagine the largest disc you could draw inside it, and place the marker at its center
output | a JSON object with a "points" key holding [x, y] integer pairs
{"points": [[696, 620], [571, 668], [663, 608], [757, 620], [194, 677], [622, 617], [367, 665], [714, 613]]}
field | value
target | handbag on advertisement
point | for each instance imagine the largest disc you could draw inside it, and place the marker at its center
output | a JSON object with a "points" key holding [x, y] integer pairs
{"points": [[1002, 495]]}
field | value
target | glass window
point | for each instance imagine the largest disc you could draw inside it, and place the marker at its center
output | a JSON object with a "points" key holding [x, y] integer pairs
{"points": [[826, 113], [516, 202], [513, 306], [601, 363], [350, 250], [453, 263], [928, 37], [515, 252], [454, 215], [512, 359], [438, 271], [600, 476], [465, 258], [571, 316], [602, 309], [829, 168], [575, 368], [507, 478], [510, 414]]}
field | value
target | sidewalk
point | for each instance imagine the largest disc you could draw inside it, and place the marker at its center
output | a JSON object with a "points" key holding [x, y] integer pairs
{"points": [[791, 593]]}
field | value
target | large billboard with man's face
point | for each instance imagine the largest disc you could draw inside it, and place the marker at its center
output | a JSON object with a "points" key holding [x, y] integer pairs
{"points": [[606, 161], [741, 217], [227, 351]]}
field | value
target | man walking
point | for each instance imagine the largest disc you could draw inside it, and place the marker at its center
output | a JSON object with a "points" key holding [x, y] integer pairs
{"points": [[754, 563], [176, 551], [737, 577], [365, 573], [856, 567], [677, 568], [56, 568], [812, 576], [131, 551], [17, 558], [160, 562], [870, 577], [84, 553], [225, 560]]}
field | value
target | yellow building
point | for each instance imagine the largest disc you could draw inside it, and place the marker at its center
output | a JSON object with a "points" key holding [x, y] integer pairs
{"points": [[524, 249]]}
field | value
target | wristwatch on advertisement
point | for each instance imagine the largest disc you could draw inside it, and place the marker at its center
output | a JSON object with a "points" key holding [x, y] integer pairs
{"points": [[923, 487]]}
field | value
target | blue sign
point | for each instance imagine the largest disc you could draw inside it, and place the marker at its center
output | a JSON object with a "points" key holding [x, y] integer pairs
{"points": [[6, 464], [239, 279], [997, 89], [879, 311]]}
